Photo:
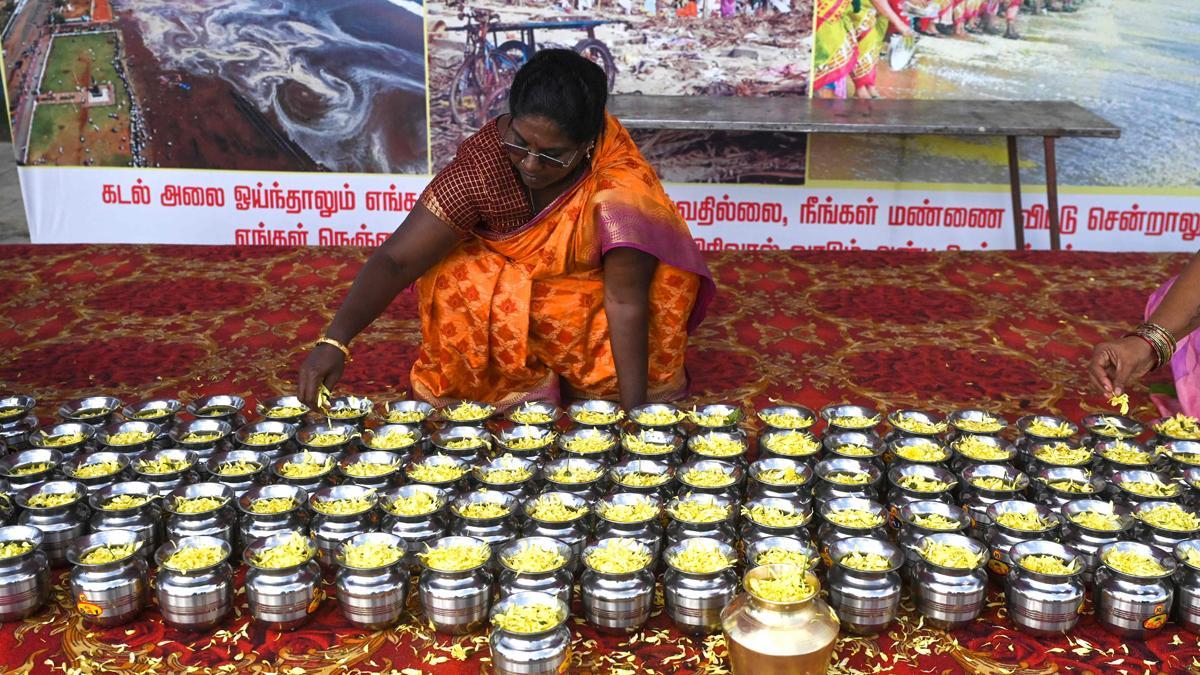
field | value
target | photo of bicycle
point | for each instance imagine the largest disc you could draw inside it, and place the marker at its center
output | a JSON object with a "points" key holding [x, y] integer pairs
{"points": [[714, 47]]}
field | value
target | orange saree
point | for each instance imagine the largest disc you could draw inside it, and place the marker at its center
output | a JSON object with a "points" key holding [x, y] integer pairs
{"points": [[516, 311]]}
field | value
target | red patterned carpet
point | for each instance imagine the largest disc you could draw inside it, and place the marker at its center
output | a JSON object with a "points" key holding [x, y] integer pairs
{"points": [[1007, 332]]}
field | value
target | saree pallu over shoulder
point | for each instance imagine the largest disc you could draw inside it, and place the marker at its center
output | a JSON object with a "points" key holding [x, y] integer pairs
{"points": [[505, 317]]}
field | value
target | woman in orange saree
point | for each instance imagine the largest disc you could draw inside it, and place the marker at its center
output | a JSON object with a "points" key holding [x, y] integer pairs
{"points": [[548, 260]]}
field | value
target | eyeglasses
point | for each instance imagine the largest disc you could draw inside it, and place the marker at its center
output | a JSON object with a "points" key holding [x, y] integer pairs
{"points": [[519, 153]]}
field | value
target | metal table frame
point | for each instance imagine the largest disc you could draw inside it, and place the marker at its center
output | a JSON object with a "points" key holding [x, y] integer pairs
{"points": [[1050, 120]]}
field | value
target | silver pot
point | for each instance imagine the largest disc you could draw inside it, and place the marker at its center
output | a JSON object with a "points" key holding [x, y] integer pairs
{"points": [[700, 446], [617, 603], [660, 445], [415, 530], [830, 532], [610, 410], [917, 424], [385, 466], [94, 410], [220, 522], [966, 421], [46, 437], [782, 478], [250, 437], [690, 476], [1162, 538], [15, 436], [903, 492], [25, 578], [639, 417], [797, 444], [828, 488], [489, 476], [694, 600], [223, 407], [329, 530], [108, 594], [556, 582], [534, 413], [572, 532], [60, 525], [30, 467], [753, 530], [372, 597], [832, 414], [349, 410], [400, 439], [456, 603], [1048, 490], [1108, 427], [724, 529], [911, 531], [539, 438], [205, 437], [1036, 463], [145, 520], [97, 461], [920, 450], [281, 598], [253, 525], [277, 409], [800, 417], [976, 500], [444, 414], [479, 437], [416, 413], [452, 487], [1001, 539], [623, 477], [1124, 455], [496, 531], [15, 407], [583, 477], [311, 484], [1029, 436], [950, 597], [1181, 455], [239, 483], [755, 550], [1044, 604], [865, 601], [716, 417], [1087, 541], [649, 531], [1122, 480], [197, 599], [1131, 605], [542, 653], [1187, 586], [607, 441], [312, 438], [849, 445], [166, 482], [993, 450]]}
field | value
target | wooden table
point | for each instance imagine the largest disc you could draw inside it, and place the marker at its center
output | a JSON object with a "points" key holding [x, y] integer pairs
{"points": [[892, 117]]}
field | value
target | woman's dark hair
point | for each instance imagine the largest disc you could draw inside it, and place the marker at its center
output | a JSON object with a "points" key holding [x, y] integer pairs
{"points": [[563, 87]]}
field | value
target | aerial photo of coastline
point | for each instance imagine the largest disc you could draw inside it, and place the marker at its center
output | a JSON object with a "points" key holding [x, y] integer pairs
{"points": [[291, 85]]}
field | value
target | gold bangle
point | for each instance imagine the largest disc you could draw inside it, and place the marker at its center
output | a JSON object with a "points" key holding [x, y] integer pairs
{"points": [[338, 345]]}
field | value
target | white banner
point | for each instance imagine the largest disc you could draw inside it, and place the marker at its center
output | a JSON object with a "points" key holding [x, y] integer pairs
{"points": [[99, 205]]}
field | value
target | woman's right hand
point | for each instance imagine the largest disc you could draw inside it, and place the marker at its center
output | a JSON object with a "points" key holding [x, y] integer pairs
{"points": [[1118, 363], [324, 365]]}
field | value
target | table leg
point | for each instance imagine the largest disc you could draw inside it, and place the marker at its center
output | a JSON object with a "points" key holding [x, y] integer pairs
{"points": [[1052, 194], [1014, 179]]}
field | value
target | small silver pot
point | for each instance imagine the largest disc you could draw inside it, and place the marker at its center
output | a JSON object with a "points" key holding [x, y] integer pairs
{"points": [[57, 437], [556, 582], [332, 439], [977, 499], [145, 520], [282, 598], [197, 599], [168, 481], [60, 525], [617, 603], [607, 444], [272, 438], [376, 469], [287, 409], [456, 602], [94, 410], [107, 436], [205, 437], [30, 467], [542, 653], [1133, 605], [753, 529], [223, 407], [220, 522], [584, 477], [310, 484], [782, 478], [977, 422], [694, 600], [829, 487], [241, 482], [372, 597], [329, 530], [478, 437], [1044, 604], [511, 475], [107, 594], [951, 597], [415, 529], [723, 529], [866, 601], [1087, 540], [114, 467], [253, 525], [25, 578], [1001, 538]]}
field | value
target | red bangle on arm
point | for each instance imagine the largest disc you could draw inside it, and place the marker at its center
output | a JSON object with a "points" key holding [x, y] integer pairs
{"points": [[1153, 349]]}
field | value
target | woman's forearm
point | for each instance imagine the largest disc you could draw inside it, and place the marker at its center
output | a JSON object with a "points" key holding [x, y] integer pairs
{"points": [[629, 335], [377, 284], [1179, 311]]}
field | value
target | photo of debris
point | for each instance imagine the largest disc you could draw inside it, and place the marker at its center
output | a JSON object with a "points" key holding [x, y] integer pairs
{"points": [[291, 85], [712, 48]]}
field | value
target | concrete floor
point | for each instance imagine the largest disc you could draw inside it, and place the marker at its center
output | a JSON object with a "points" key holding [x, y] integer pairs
{"points": [[13, 228]]}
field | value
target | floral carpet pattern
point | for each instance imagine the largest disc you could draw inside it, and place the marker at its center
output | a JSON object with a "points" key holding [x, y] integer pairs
{"points": [[1008, 332]]}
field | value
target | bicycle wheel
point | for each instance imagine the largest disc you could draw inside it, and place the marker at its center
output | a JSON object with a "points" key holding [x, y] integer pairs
{"points": [[465, 95], [596, 51], [516, 50]]}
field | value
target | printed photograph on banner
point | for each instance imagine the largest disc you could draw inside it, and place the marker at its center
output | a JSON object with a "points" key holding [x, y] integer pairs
{"points": [[666, 47], [288, 85], [1134, 63]]}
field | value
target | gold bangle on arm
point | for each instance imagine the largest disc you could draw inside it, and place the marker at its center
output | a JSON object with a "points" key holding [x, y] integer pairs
{"points": [[338, 345]]}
